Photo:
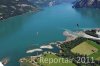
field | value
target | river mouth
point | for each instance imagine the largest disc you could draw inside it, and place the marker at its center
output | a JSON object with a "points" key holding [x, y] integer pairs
{"points": [[20, 32]]}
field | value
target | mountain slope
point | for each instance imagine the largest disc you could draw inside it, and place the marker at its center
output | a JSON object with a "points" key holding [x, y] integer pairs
{"points": [[10, 8], [87, 4]]}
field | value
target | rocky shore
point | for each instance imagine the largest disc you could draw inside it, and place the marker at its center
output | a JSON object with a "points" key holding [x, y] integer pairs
{"points": [[86, 4]]}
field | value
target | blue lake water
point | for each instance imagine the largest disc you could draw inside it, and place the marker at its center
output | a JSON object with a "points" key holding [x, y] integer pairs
{"points": [[19, 33]]}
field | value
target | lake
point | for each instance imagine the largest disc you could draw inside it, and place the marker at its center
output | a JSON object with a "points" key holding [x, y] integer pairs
{"points": [[19, 33]]}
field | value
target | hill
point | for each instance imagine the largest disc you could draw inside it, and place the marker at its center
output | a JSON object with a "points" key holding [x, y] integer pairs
{"points": [[86, 4], [10, 8]]}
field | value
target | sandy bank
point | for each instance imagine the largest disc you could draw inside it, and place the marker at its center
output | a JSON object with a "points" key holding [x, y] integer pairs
{"points": [[46, 47], [33, 50]]}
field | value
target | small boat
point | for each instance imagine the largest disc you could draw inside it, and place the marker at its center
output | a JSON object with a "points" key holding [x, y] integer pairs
{"points": [[78, 25], [37, 33]]}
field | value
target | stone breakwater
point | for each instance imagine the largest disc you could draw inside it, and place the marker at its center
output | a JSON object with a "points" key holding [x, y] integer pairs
{"points": [[70, 36]]}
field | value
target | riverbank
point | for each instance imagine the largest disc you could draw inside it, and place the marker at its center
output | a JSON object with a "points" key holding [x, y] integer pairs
{"points": [[44, 49], [54, 47], [6, 16], [93, 34]]}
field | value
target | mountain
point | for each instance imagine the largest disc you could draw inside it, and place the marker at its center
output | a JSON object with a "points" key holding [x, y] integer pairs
{"points": [[44, 3], [10, 8], [86, 4]]}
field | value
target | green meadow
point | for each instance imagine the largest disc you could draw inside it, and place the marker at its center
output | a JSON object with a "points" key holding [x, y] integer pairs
{"points": [[49, 56], [90, 48]]}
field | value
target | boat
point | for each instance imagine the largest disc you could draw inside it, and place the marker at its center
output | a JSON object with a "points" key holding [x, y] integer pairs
{"points": [[37, 33]]}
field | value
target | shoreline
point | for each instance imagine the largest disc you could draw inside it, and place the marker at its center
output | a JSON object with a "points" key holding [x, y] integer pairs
{"points": [[32, 10], [69, 37], [46, 47], [57, 43], [34, 50], [36, 11]]}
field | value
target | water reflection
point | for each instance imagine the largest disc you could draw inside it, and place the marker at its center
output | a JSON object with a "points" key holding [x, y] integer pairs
{"points": [[94, 14], [11, 25]]}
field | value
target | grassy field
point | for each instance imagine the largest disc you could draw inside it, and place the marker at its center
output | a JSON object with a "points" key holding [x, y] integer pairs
{"points": [[90, 48], [97, 54], [54, 64], [84, 48], [98, 58]]}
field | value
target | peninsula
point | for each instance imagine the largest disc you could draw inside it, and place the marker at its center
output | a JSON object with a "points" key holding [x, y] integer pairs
{"points": [[78, 45]]}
